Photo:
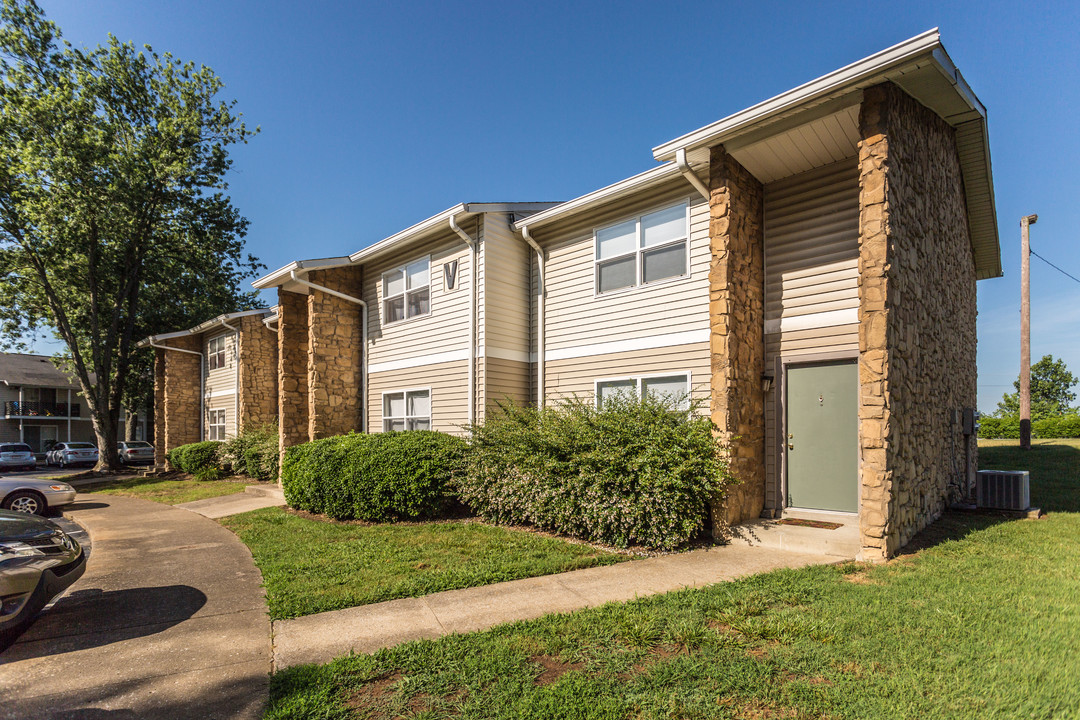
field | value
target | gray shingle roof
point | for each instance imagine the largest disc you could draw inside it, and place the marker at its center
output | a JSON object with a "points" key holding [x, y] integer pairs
{"points": [[33, 370]]}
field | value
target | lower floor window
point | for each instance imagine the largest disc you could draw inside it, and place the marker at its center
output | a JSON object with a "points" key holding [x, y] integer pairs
{"points": [[407, 410], [673, 388], [216, 427]]}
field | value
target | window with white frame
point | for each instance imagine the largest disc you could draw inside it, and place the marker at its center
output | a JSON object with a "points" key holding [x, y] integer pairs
{"points": [[407, 291], [216, 426], [643, 250], [407, 410], [673, 388], [215, 353]]}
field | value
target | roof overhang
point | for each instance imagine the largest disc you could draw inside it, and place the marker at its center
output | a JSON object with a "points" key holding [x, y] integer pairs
{"points": [[921, 67], [211, 324], [624, 188], [282, 275]]}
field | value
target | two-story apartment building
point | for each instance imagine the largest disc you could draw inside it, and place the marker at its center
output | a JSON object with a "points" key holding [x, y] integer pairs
{"points": [[806, 268], [42, 405], [214, 379]]}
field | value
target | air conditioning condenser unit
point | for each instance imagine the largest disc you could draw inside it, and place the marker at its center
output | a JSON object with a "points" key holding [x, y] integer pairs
{"points": [[1003, 489]]}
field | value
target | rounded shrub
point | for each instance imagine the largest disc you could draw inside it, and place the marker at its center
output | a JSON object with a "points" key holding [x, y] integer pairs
{"points": [[636, 472], [253, 453], [375, 477], [195, 458]]}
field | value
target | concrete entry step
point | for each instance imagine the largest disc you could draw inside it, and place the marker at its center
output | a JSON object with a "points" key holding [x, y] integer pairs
{"points": [[270, 490], [842, 543], [226, 505]]}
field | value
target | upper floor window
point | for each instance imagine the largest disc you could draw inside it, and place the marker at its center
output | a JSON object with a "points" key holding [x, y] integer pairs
{"points": [[674, 389], [407, 291], [215, 351], [646, 249]]}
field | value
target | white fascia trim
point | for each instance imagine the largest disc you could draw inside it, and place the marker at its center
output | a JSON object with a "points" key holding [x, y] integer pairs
{"points": [[641, 181], [928, 43], [419, 361], [283, 274], [831, 318], [643, 343]]}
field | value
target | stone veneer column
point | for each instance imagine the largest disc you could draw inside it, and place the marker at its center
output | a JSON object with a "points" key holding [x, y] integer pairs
{"points": [[916, 320], [257, 355], [292, 337], [334, 354], [181, 404], [159, 408], [737, 320]]}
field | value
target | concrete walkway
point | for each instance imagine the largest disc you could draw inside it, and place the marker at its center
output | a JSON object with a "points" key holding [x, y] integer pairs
{"points": [[254, 497], [322, 637], [169, 621]]}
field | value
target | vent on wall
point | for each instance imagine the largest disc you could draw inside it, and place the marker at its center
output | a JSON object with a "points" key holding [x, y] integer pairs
{"points": [[1003, 489]]}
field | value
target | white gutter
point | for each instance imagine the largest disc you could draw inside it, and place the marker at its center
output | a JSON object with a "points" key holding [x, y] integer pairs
{"points": [[473, 256], [540, 339], [236, 382], [684, 168], [364, 335], [202, 379]]}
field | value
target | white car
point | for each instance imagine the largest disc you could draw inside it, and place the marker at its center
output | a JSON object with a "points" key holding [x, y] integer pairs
{"points": [[72, 453], [34, 495]]}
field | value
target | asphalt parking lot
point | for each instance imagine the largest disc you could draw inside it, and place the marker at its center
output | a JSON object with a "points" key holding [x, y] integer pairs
{"points": [[44, 471]]}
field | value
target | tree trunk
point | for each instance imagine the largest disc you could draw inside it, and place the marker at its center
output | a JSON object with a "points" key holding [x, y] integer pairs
{"points": [[131, 425]]}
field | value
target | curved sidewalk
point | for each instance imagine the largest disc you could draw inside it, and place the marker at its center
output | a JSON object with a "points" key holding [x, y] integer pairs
{"points": [[169, 621]]}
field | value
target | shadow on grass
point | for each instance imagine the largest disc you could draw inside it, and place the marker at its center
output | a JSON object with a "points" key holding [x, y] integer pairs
{"points": [[1054, 467]]}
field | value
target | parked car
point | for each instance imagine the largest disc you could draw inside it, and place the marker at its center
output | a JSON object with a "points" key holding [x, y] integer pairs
{"points": [[135, 452], [17, 456], [72, 453], [38, 561], [34, 495]]}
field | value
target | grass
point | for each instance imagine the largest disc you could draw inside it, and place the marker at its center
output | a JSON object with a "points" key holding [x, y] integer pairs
{"points": [[982, 624], [171, 492], [310, 565]]}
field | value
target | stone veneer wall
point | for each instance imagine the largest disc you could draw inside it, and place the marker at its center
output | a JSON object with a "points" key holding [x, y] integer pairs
{"points": [[292, 384], [335, 346], [180, 403], [159, 407], [737, 322], [257, 355], [916, 320]]}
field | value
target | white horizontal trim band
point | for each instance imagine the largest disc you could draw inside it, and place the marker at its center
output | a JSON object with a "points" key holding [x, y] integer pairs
{"points": [[508, 354], [847, 316], [219, 393], [419, 361], [618, 346]]}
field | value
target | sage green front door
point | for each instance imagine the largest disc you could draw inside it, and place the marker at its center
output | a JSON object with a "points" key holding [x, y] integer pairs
{"points": [[822, 436]]}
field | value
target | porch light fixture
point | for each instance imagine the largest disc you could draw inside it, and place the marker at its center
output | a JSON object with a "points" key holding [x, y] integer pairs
{"points": [[766, 382]]}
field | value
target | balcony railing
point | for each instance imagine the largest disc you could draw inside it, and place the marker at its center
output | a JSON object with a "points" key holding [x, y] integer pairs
{"points": [[14, 408]]}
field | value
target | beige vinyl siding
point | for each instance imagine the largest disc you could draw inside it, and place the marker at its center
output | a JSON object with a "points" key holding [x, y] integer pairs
{"points": [[579, 375], [576, 315], [221, 379], [445, 329], [506, 379], [449, 398], [222, 402], [811, 267]]}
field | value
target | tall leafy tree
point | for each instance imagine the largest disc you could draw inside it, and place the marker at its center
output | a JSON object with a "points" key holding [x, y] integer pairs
{"points": [[1051, 391], [113, 205]]}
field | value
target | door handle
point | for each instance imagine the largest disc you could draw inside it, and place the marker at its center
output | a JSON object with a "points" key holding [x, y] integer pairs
{"points": [[791, 446]]}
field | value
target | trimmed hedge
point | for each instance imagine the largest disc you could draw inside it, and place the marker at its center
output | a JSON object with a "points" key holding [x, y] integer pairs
{"points": [[377, 477], [196, 458], [253, 453], [633, 473], [1008, 427]]}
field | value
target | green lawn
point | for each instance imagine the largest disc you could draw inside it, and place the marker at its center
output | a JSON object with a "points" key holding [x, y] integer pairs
{"points": [[311, 566], [985, 624], [170, 492]]}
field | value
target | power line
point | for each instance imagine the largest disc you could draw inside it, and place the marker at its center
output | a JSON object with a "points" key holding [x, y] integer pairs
{"points": [[1071, 277]]}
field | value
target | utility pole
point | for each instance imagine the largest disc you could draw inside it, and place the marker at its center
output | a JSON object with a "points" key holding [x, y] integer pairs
{"points": [[1025, 332]]}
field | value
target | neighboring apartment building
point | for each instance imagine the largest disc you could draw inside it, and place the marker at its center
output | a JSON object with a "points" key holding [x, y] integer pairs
{"points": [[213, 380], [42, 405], [806, 267]]}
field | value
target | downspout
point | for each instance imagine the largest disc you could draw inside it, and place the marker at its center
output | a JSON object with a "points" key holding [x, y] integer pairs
{"points": [[540, 318], [472, 315], [202, 382], [689, 174], [364, 339], [236, 382]]}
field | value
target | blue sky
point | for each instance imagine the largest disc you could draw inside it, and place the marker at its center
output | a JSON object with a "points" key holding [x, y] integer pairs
{"points": [[377, 115]]}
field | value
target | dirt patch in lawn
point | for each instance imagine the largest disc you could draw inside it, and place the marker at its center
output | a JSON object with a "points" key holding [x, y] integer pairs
{"points": [[554, 668]]}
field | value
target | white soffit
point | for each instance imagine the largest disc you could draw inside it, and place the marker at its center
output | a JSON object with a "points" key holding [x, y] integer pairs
{"points": [[815, 144]]}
